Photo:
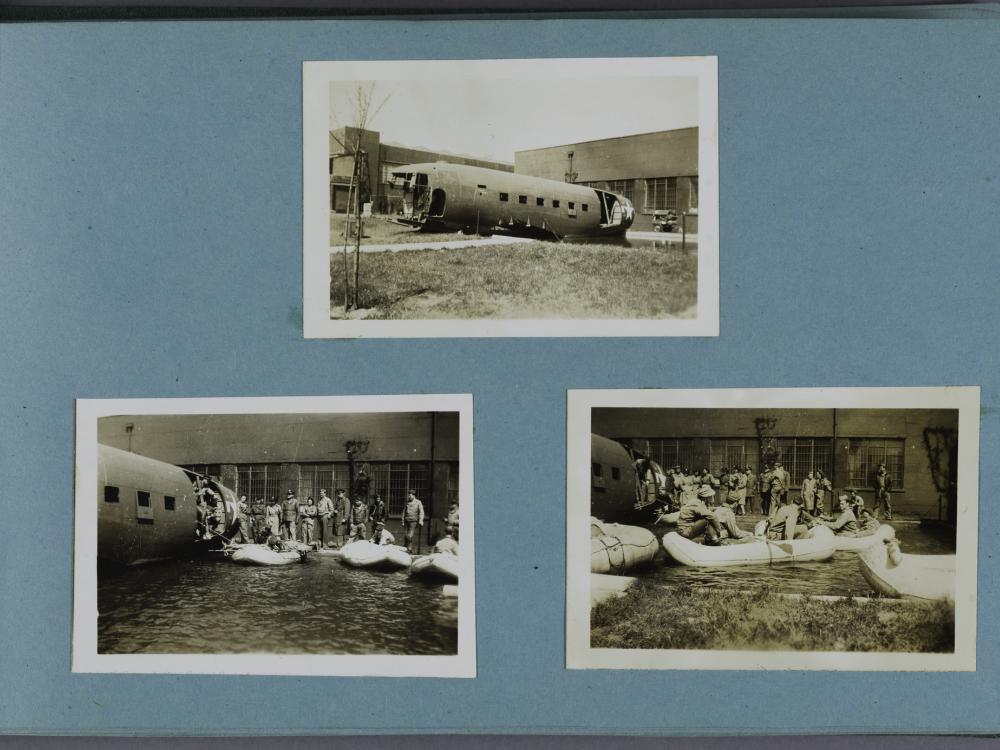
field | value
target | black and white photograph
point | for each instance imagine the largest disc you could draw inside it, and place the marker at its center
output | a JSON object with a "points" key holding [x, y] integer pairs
{"points": [[327, 535], [796, 528], [511, 197]]}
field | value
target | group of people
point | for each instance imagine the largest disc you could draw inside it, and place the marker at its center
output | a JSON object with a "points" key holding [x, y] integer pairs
{"points": [[708, 505], [330, 522]]}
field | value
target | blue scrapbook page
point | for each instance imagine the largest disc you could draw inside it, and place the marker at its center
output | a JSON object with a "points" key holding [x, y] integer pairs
{"points": [[326, 310]]}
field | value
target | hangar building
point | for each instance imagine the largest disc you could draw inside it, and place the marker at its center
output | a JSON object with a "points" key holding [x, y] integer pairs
{"points": [[264, 455], [383, 157], [918, 446], [655, 171]]}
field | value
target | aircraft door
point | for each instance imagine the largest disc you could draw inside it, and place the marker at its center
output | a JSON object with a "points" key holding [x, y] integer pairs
{"points": [[436, 208]]}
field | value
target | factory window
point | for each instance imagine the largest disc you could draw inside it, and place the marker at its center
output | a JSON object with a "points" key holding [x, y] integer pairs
{"points": [[503, 196], [661, 193], [169, 503], [522, 199], [624, 188], [258, 482], [802, 455], [583, 206], [142, 498], [555, 204], [693, 193], [865, 456], [539, 201], [110, 494]]}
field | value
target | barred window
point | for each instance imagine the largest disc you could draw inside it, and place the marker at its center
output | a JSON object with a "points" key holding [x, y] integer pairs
{"points": [[259, 481], [625, 188], [802, 455], [661, 193], [867, 453]]}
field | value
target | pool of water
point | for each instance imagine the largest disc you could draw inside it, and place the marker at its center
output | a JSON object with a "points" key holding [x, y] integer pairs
{"points": [[319, 607], [840, 575]]}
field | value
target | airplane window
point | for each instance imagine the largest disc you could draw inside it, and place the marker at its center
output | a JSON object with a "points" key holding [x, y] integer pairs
{"points": [[481, 187], [555, 204], [598, 470], [583, 206], [503, 196], [522, 199], [616, 473], [539, 201], [169, 502], [142, 498], [110, 494], [571, 205]]}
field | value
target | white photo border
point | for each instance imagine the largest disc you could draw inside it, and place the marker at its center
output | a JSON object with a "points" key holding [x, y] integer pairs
{"points": [[316, 77], [580, 655], [85, 654]]}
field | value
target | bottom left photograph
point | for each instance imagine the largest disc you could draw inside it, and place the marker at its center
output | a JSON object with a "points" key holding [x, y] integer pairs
{"points": [[289, 535]]}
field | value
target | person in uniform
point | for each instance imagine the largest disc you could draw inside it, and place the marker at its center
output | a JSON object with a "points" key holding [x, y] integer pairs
{"points": [[413, 519], [786, 479], [808, 493], [382, 535], [751, 488], [307, 520], [779, 497], [358, 518], [696, 519], [882, 503], [846, 522], [324, 513], [201, 525], [451, 520], [447, 544], [342, 518], [785, 523], [857, 503], [738, 491], [822, 487], [378, 512], [765, 490], [289, 516], [273, 516], [243, 533]]}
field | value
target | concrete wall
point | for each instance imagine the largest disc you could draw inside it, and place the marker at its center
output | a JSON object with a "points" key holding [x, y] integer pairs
{"points": [[282, 438], [918, 495]]}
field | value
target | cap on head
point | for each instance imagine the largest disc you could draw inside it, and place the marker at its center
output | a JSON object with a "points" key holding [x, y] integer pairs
{"points": [[705, 491]]}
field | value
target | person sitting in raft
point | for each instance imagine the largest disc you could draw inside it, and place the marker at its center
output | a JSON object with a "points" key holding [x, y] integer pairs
{"points": [[382, 535], [447, 543], [696, 519], [785, 523], [725, 514], [868, 523], [275, 542], [857, 503], [846, 523]]}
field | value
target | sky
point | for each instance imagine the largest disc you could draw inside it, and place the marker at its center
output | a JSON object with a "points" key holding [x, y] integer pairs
{"points": [[491, 119]]}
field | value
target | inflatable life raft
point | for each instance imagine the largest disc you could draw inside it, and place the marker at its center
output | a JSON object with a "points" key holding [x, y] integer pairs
{"points": [[859, 542], [892, 573], [438, 566], [259, 554], [820, 545], [615, 548], [364, 554]]}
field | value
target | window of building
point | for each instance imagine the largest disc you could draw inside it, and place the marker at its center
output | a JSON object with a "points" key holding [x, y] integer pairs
{"points": [[865, 454], [539, 201], [169, 502], [693, 194], [258, 481], [624, 188], [661, 193], [802, 455], [583, 207], [522, 199], [504, 196], [142, 498], [555, 203], [110, 494]]}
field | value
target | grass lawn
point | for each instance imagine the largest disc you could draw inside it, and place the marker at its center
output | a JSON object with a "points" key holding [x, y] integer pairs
{"points": [[379, 231], [651, 616], [523, 280]]}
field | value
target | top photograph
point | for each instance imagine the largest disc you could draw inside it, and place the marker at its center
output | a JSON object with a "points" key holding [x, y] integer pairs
{"points": [[492, 198]]}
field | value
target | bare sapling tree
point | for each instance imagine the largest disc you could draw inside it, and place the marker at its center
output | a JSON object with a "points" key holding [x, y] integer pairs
{"points": [[365, 109]]}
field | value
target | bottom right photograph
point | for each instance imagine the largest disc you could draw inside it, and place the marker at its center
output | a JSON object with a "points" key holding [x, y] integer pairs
{"points": [[828, 528]]}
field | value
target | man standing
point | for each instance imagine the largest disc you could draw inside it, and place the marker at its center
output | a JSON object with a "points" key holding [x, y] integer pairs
{"points": [[307, 520], [823, 486], [413, 519], [377, 513], [765, 490], [342, 510], [882, 482], [738, 493], [751, 487], [809, 493], [359, 520], [289, 515], [324, 512], [243, 517], [786, 480]]}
